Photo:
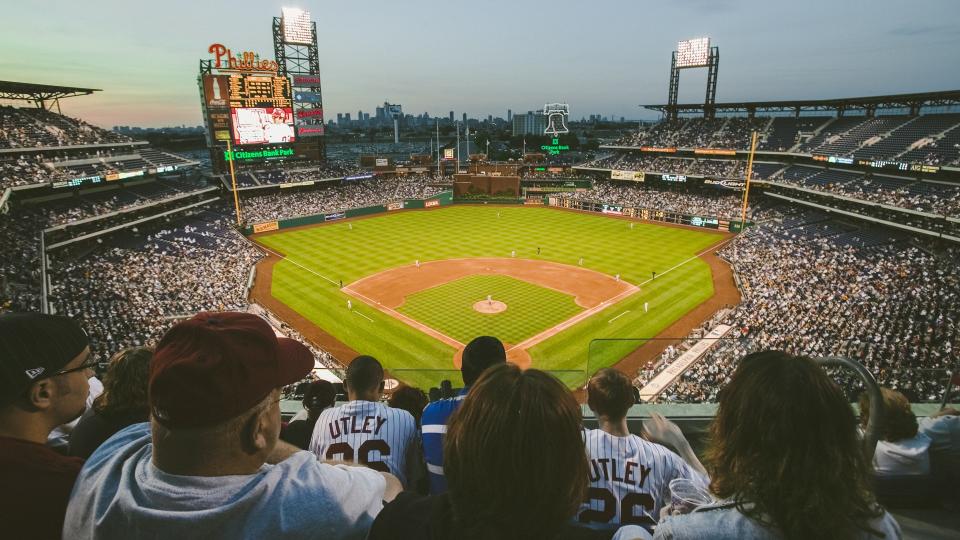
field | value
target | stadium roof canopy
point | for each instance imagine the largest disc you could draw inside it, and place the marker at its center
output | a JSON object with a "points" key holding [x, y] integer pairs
{"points": [[869, 105], [40, 93]]}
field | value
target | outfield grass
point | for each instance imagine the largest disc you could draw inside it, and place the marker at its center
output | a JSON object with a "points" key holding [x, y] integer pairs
{"points": [[531, 309], [319, 257]]}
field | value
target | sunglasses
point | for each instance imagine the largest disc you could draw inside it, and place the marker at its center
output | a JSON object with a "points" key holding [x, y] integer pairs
{"points": [[89, 364]]}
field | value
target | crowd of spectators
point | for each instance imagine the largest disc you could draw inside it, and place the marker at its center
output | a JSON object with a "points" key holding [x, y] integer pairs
{"points": [[185, 439], [127, 292], [894, 307], [731, 133], [635, 161], [706, 202], [32, 127], [347, 194], [933, 198]]}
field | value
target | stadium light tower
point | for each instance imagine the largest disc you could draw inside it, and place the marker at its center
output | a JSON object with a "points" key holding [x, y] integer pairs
{"points": [[694, 53], [298, 57]]}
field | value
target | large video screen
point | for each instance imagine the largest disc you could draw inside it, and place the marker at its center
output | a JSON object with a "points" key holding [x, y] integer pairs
{"points": [[262, 125]]}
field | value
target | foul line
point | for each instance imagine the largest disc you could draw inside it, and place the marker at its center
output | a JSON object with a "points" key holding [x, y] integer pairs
{"points": [[285, 258], [411, 322], [618, 316], [550, 332], [362, 315]]}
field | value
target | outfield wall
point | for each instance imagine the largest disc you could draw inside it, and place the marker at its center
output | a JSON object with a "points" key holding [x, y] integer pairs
{"points": [[441, 199]]}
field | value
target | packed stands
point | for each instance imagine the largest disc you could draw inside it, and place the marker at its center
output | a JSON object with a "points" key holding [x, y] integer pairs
{"points": [[705, 202], [33, 127], [818, 287], [348, 194]]}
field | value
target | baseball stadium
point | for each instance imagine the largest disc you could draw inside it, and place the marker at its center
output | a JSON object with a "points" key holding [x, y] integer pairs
{"points": [[241, 311]]}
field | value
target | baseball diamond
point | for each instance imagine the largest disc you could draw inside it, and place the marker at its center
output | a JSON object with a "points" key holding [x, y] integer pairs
{"points": [[415, 276]]}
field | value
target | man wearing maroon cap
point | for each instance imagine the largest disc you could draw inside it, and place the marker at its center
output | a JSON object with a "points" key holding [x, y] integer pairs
{"points": [[209, 464]]}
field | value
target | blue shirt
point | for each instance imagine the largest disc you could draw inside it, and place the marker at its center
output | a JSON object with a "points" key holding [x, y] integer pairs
{"points": [[433, 426], [120, 493]]}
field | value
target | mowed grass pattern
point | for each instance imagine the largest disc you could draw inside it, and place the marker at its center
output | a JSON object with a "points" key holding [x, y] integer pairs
{"points": [[319, 257], [530, 308]]}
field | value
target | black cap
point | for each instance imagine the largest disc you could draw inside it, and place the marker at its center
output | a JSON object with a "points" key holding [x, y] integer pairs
{"points": [[479, 354], [34, 346]]}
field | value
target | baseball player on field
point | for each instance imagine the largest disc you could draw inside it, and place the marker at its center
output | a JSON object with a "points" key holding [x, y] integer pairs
{"points": [[629, 475], [366, 431]]}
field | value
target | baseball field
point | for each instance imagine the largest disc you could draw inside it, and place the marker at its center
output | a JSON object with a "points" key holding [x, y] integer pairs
{"points": [[412, 287]]}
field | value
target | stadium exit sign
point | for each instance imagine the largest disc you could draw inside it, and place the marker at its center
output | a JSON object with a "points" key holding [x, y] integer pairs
{"points": [[555, 147]]}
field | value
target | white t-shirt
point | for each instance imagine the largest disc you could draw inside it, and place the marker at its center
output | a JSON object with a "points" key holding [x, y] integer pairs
{"points": [[121, 494], [903, 457], [60, 436], [629, 477], [368, 432]]}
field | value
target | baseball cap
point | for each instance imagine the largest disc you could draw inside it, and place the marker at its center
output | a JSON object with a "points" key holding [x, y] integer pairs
{"points": [[217, 365], [481, 353], [34, 346]]}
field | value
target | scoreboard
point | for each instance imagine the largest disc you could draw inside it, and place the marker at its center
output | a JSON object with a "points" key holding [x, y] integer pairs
{"points": [[247, 91]]}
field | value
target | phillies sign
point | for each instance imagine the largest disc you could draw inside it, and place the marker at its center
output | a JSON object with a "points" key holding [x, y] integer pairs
{"points": [[245, 61]]}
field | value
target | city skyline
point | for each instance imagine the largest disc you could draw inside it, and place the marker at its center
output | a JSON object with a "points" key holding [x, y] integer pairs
{"points": [[506, 56]]}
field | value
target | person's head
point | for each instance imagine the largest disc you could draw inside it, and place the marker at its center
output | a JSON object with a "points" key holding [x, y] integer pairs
{"points": [[610, 394], [410, 399], [481, 353], [125, 384], [784, 446], [446, 389], [364, 380], [899, 422], [45, 362], [319, 395], [434, 394], [513, 454], [214, 393]]}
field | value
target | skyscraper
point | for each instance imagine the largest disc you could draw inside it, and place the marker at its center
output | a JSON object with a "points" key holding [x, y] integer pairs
{"points": [[509, 115], [451, 116], [464, 118]]}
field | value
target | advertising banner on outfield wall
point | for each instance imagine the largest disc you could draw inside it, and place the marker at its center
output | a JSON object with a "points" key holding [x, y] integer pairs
{"points": [[431, 202], [635, 176], [264, 227], [334, 216], [395, 206]]}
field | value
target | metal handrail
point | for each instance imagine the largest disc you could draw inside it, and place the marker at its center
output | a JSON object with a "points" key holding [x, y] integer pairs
{"points": [[875, 423]]}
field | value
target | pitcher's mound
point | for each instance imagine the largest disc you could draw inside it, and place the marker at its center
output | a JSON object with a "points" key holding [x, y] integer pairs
{"points": [[490, 306]]}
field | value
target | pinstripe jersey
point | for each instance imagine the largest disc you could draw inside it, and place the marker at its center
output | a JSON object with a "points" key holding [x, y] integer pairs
{"points": [[367, 432], [629, 479]]}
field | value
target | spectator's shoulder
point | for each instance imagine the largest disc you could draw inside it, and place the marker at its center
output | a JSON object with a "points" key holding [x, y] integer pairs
{"points": [[121, 443]]}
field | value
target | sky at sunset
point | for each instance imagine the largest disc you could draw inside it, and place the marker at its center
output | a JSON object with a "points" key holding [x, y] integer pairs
{"points": [[603, 57]]}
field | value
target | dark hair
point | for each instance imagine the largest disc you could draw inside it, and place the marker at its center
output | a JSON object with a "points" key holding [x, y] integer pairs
{"points": [[514, 456], [319, 395], [446, 389], [610, 394], [434, 394], [899, 422], [364, 373], [784, 447], [125, 384], [481, 353], [410, 399]]}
